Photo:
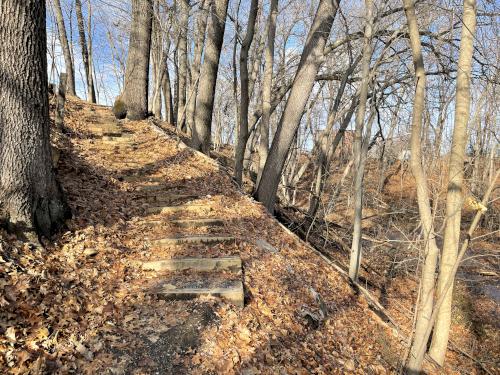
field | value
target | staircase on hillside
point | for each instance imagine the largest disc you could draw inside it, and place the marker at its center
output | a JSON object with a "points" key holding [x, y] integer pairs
{"points": [[177, 278]]}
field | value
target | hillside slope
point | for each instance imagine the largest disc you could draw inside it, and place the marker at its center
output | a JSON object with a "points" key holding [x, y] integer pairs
{"points": [[84, 306]]}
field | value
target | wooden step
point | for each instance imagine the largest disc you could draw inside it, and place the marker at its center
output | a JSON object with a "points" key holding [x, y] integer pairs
{"points": [[186, 223], [141, 178], [153, 210], [122, 138], [151, 188], [231, 291], [168, 198], [228, 263], [106, 130], [193, 239], [127, 164], [197, 223]]}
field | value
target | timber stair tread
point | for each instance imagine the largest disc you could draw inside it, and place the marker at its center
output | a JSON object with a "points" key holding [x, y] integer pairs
{"points": [[193, 239], [226, 263], [167, 198], [184, 207], [176, 278], [229, 290], [187, 223]]}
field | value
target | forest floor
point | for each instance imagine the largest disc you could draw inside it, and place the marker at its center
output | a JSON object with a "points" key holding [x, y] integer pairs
{"points": [[83, 304]]}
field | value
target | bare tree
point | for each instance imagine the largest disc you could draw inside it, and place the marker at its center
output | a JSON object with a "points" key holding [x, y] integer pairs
{"points": [[360, 146], [182, 61], [454, 196], [85, 52], [134, 99], [310, 61], [68, 59], [201, 25], [244, 95], [431, 251], [267, 88], [208, 77], [31, 199]]}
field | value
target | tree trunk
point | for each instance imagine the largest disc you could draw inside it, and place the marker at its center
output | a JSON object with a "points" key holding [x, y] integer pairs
{"points": [[158, 61], [195, 65], [31, 199], [68, 60], [183, 14], [310, 61], [244, 94], [359, 154], [135, 95], [427, 282], [266, 89], [208, 77], [85, 53], [167, 97], [327, 149], [90, 53], [455, 183]]}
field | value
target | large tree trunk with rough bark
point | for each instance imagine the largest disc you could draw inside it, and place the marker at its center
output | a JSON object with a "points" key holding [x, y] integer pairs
{"points": [[454, 197], [208, 77], [135, 94], [85, 53], [68, 59], [266, 89], [431, 251], [201, 26], [244, 95], [30, 197], [310, 61]]}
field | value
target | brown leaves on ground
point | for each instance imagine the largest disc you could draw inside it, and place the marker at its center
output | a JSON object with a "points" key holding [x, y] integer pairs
{"points": [[81, 306]]}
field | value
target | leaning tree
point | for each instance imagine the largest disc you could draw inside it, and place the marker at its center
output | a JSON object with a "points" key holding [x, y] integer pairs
{"points": [[31, 200]]}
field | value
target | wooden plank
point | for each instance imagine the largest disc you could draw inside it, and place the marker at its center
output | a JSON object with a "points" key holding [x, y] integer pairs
{"points": [[231, 292], [186, 223], [227, 263], [142, 178], [106, 130], [197, 223], [152, 188], [168, 198], [192, 239], [153, 210], [121, 138]]}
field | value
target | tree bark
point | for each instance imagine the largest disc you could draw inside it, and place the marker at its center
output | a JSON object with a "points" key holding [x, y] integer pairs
{"points": [[244, 94], [266, 89], [208, 77], [310, 61], [167, 97], [157, 63], [183, 14], [90, 52], [30, 197], [135, 95], [85, 52], [359, 153], [201, 27], [454, 196], [68, 60], [431, 251]]}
